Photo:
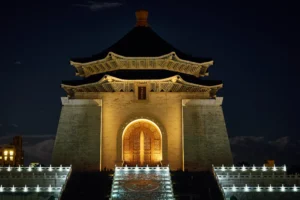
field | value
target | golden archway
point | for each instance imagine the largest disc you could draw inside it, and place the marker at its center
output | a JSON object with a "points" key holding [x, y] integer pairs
{"points": [[142, 143]]}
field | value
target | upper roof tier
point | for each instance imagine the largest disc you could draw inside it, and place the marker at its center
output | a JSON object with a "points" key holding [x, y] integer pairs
{"points": [[140, 43]]}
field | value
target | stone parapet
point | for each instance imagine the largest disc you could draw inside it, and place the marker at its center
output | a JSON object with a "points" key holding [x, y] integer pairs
{"points": [[80, 102]]}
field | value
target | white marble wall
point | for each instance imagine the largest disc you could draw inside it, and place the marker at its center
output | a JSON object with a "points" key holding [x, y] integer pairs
{"points": [[205, 136], [78, 135], [89, 134]]}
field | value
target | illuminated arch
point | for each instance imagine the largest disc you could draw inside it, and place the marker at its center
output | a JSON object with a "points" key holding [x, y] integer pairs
{"points": [[156, 124]]}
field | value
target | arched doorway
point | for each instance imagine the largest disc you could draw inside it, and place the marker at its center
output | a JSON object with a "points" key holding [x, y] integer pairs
{"points": [[142, 143]]}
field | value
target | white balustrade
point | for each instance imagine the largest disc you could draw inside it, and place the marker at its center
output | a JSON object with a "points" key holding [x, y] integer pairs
{"points": [[259, 188]]}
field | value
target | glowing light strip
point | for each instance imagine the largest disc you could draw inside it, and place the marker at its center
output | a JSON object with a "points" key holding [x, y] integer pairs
{"points": [[137, 168], [40, 168], [251, 176], [253, 168], [258, 188], [30, 189]]}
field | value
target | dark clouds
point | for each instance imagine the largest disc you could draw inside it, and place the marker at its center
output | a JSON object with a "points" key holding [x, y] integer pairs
{"points": [[257, 149], [95, 6], [280, 143], [14, 125], [243, 140], [37, 148], [17, 63], [40, 151]]}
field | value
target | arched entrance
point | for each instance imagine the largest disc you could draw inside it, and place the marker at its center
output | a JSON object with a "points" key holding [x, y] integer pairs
{"points": [[142, 143]]}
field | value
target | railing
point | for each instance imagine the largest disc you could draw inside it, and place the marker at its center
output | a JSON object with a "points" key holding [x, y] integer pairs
{"points": [[34, 176], [30, 189], [41, 173], [253, 168], [137, 169], [65, 183], [247, 188], [218, 182], [261, 176], [34, 169], [238, 174]]}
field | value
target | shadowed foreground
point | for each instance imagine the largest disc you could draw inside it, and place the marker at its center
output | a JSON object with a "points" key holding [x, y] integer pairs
{"points": [[186, 185]]}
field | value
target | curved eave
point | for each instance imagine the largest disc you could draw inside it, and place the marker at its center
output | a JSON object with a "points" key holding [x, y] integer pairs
{"points": [[113, 62], [113, 84]]}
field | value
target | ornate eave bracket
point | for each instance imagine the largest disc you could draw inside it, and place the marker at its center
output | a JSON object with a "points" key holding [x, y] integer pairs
{"points": [[114, 62], [113, 84]]}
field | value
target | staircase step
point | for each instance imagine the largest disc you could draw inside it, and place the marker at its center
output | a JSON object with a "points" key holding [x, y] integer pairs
{"points": [[142, 183]]}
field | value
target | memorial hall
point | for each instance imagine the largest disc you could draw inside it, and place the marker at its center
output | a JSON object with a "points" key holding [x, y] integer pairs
{"points": [[142, 120], [142, 102]]}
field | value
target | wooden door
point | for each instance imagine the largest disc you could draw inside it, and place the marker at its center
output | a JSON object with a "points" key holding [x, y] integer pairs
{"points": [[151, 151]]}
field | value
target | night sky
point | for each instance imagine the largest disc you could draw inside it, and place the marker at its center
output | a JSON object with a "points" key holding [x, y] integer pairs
{"points": [[255, 47]]}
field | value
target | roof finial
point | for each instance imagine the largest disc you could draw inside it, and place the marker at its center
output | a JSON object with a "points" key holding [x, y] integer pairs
{"points": [[141, 18]]}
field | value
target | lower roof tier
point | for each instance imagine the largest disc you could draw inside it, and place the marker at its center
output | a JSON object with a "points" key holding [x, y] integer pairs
{"points": [[157, 81], [142, 75]]}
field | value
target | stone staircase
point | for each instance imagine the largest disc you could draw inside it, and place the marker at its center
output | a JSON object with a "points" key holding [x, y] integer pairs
{"points": [[145, 183]]}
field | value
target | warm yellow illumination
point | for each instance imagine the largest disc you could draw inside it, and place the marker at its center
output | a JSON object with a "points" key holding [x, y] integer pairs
{"points": [[147, 134], [5, 153], [142, 148], [11, 153], [0, 157], [11, 158], [5, 157], [141, 120]]}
